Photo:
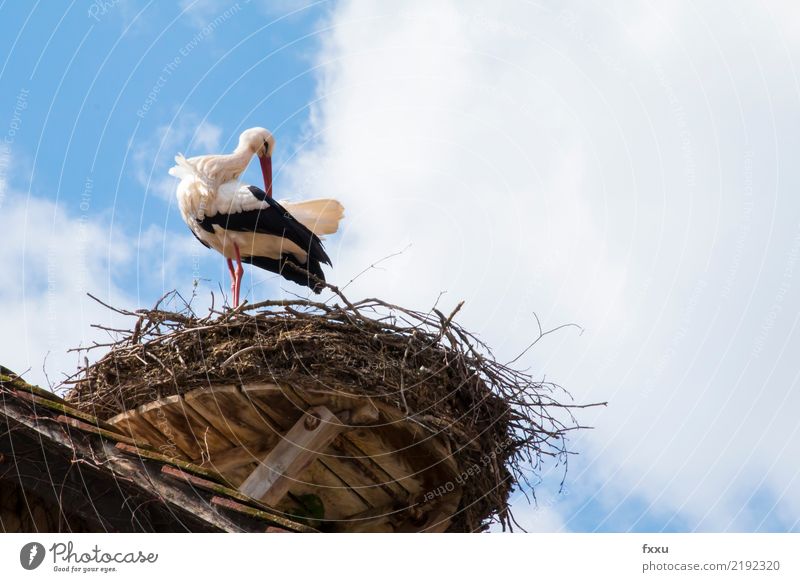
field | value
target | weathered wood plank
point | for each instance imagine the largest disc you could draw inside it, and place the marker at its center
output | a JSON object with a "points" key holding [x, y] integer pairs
{"points": [[85, 427], [353, 473], [439, 520], [291, 456], [9, 378], [432, 445], [336, 495], [181, 425], [133, 424], [226, 493], [258, 514], [435, 519], [237, 457], [183, 465], [411, 455], [373, 520], [373, 474], [237, 463], [60, 406], [353, 477], [319, 479], [360, 409], [383, 450], [402, 458], [370, 444], [272, 400], [232, 414], [131, 469]]}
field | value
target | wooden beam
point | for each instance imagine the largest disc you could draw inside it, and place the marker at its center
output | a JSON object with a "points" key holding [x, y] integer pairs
{"points": [[308, 438], [318, 479]]}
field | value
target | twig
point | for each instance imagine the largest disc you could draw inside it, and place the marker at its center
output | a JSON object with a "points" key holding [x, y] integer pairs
{"points": [[246, 350], [376, 263], [106, 305], [541, 335]]}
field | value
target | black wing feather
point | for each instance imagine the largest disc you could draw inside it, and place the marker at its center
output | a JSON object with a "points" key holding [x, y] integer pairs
{"points": [[275, 220], [202, 242], [280, 267]]}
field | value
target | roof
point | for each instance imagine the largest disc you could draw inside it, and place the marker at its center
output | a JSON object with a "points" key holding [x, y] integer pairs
{"points": [[99, 477]]}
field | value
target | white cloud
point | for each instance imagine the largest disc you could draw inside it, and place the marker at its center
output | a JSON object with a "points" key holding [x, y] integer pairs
{"points": [[54, 258], [595, 166]]}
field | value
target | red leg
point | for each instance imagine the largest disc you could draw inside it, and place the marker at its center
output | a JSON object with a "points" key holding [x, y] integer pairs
{"points": [[233, 282], [239, 273]]}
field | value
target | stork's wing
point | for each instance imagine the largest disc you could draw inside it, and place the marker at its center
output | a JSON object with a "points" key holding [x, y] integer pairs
{"points": [[285, 267], [273, 219]]}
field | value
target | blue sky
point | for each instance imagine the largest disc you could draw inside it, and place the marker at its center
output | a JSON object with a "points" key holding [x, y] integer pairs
{"points": [[103, 78], [626, 166]]}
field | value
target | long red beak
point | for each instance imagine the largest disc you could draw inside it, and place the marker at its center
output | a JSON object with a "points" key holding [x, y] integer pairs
{"points": [[266, 171]]}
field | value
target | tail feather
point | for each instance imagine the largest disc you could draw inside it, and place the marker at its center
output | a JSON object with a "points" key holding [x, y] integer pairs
{"points": [[320, 216]]}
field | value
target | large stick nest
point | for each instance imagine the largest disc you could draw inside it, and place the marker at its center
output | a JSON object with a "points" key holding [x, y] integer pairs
{"points": [[425, 364]]}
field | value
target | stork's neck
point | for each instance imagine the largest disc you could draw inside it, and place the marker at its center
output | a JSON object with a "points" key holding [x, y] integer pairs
{"points": [[230, 166], [241, 156]]}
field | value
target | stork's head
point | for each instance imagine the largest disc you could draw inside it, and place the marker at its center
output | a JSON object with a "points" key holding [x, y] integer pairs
{"points": [[258, 141]]}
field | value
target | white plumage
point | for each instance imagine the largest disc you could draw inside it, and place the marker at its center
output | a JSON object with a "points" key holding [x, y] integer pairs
{"points": [[244, 223]]}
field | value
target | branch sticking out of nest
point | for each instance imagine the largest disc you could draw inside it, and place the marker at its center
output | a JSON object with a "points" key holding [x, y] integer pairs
{"points": [[425, 364]]}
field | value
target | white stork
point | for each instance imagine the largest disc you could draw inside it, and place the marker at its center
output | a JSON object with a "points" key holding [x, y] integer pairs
{"points": [[245, 223]]}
